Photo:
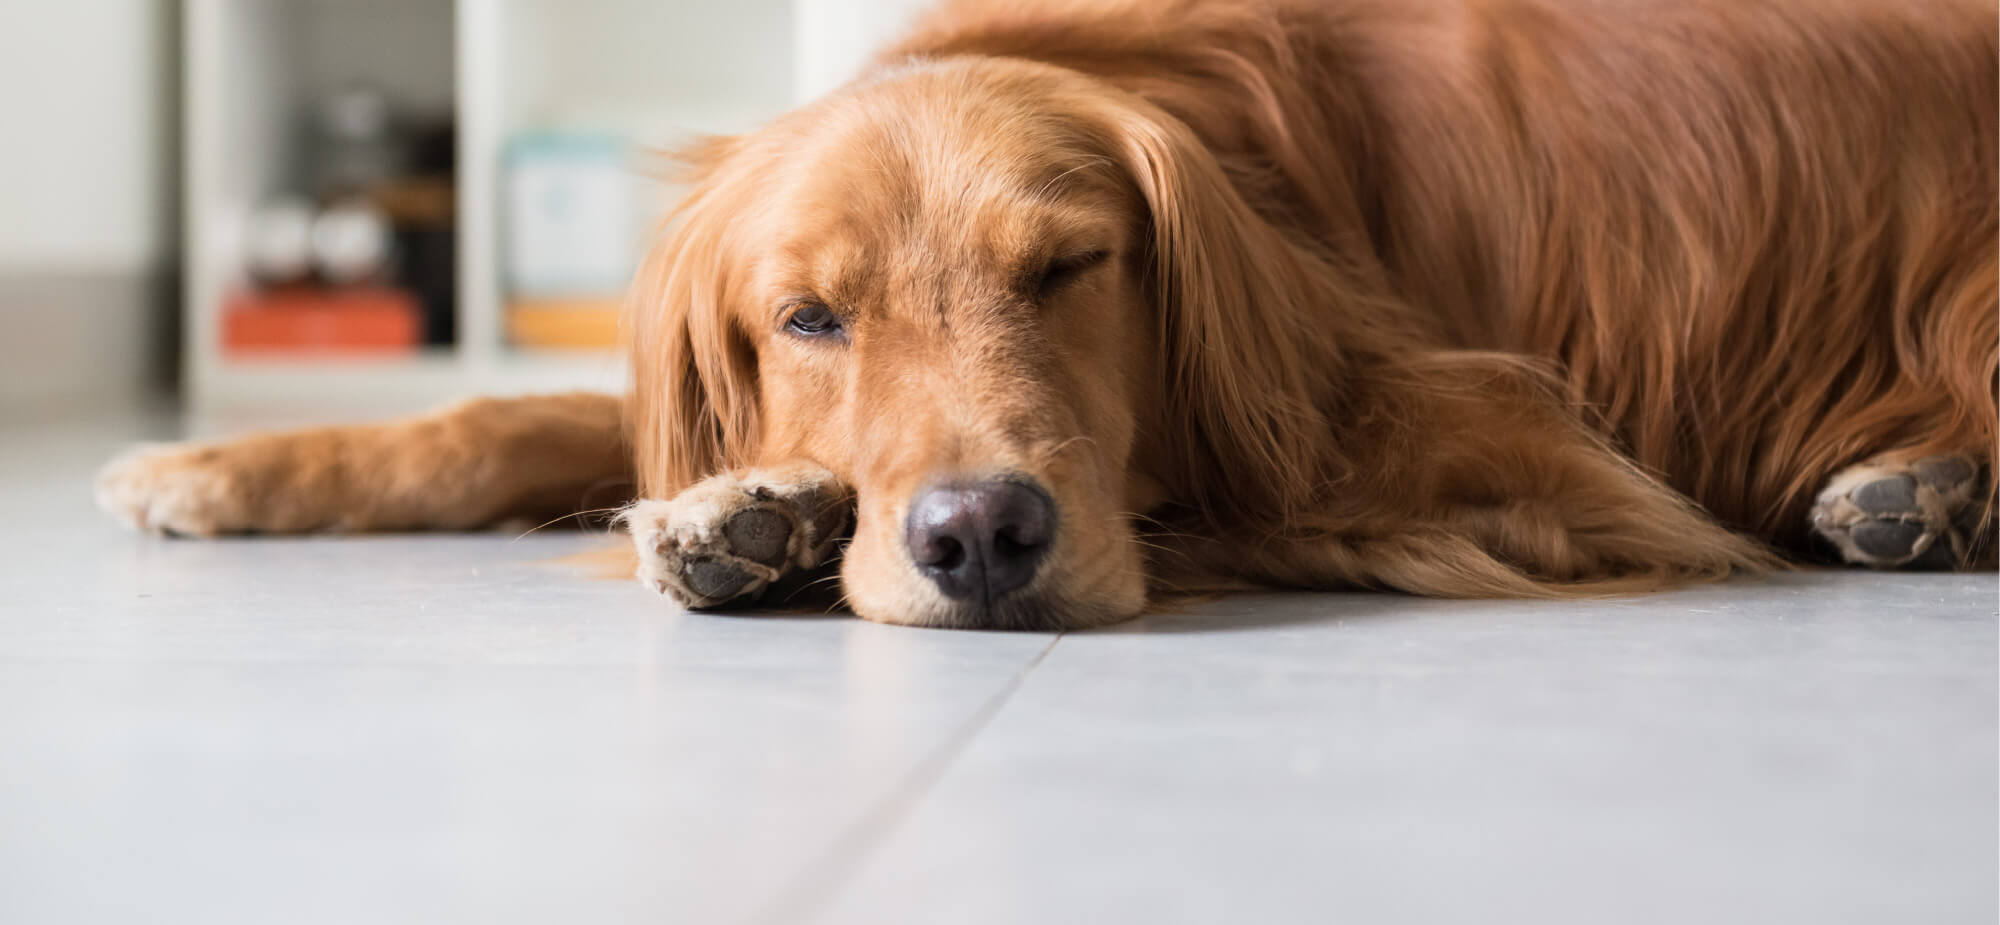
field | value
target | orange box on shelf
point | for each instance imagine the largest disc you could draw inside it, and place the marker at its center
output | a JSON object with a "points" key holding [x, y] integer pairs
{"points": [[307, 319], [563, 323]]}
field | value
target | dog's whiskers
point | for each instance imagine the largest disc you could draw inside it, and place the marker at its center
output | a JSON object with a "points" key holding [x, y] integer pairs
{"points": [[617, 513]]}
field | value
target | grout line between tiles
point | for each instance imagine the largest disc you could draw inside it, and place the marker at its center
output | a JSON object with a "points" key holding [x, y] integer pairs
{"points": [[823, 877]]}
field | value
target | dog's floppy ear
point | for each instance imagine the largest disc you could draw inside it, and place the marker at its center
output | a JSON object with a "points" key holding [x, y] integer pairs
{"points": [[1247, 320], [694, 400]]}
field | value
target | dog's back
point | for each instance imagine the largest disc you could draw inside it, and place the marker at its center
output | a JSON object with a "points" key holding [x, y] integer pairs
{"points": [[1759, 236]]}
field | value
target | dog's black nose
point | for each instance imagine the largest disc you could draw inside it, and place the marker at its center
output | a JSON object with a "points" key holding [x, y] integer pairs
{"points": [[980, 539]]}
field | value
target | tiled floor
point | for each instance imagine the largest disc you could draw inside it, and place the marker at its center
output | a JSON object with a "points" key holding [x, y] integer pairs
{"points": [[444, 729]]}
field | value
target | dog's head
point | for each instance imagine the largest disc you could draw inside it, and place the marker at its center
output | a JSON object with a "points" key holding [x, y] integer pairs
{"points": [[1013, 308]]}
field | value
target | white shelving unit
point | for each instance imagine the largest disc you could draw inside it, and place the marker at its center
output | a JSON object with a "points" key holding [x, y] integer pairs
{"points": [[652, 71]]}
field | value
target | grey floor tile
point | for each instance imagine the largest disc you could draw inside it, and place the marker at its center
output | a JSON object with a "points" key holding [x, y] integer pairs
{"points": [[428, 728], [1813, 748]]}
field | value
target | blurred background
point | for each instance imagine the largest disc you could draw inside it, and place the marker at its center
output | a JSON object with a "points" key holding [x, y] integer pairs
{"points": [[307, 210]]}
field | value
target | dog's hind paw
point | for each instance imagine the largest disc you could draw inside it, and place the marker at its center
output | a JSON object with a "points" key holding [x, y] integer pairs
{"points": [[732, 536], [1889, 514]]}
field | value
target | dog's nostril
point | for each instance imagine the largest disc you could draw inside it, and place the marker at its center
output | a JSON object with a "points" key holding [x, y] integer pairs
{"points": [[941, 552], [983, 538]]}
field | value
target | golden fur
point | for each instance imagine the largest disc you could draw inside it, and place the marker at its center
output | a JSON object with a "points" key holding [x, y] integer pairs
{"points": [[1456, 297]]}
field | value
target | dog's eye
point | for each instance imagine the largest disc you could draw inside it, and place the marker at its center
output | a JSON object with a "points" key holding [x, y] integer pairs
{"points": [[1064, 270], [813, 320]]}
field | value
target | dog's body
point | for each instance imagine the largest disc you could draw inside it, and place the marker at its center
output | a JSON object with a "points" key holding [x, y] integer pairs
{"points": [[1418, 295]]}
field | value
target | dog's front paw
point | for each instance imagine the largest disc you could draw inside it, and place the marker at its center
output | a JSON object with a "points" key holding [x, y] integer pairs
{"points": [[1886, 514], [732, 536], [176, 489]]}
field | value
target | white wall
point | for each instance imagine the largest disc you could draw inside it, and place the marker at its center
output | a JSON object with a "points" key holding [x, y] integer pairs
{"points": [[835, 37], [657, 68], [87, 174], [83, 176]]}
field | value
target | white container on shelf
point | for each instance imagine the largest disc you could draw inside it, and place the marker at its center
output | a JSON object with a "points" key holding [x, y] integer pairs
{"points": [[570, 210]]}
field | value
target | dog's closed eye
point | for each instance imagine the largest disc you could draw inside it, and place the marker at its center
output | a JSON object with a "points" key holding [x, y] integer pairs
{"points": [[1065, 270]]}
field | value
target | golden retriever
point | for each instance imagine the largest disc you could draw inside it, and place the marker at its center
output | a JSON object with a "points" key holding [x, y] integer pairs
{"points": [[1064, 304]]}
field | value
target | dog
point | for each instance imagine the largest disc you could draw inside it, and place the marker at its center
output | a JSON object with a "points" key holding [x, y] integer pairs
{"points": [[1060, 308]]}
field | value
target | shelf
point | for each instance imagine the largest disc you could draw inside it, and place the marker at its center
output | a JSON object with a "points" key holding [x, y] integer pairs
{"points": [[653, 73], [321, 388]]}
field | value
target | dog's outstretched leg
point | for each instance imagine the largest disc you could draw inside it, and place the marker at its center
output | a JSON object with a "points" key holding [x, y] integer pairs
{"points": [[475, 464], [732, 536]]}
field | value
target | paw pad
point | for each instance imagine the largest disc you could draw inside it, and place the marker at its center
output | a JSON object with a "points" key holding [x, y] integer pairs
{"points": [[1889, 497], [1887, 515], [758, 535], [715, 579], [731, 537]]}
